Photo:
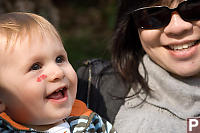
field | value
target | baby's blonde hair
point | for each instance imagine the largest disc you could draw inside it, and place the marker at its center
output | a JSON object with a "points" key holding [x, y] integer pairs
{"points": [[16, 25]]}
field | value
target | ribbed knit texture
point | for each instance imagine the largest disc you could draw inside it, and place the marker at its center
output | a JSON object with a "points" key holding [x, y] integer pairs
{"points": [[172, 101]]}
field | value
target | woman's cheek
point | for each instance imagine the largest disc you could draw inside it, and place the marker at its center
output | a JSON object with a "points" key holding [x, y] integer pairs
{"points": [[150, 37]]}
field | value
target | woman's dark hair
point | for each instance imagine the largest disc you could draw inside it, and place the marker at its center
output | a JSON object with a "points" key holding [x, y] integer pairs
{"points": [[127, 51]]}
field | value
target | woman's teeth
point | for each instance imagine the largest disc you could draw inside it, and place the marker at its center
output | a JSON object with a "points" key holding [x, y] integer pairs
{"points": [[180, 47]]}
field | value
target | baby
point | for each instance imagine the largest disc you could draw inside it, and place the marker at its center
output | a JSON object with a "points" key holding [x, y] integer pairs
{"points": [[37, 83]]}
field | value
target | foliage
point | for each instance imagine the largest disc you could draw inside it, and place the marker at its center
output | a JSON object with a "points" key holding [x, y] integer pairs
{"points": [[86, 28]]}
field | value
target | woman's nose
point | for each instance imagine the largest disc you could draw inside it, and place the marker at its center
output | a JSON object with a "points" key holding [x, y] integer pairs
{"points": [[177, 26], [55, 73]]}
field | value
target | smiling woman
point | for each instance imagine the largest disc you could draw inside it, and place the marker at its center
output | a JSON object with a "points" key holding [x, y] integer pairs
{"points": [[155, 56], [174, 46]]}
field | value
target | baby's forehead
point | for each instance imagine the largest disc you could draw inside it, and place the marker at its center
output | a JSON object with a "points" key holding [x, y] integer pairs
{"points": [[10, 38], [26, 37], [27, 47]]}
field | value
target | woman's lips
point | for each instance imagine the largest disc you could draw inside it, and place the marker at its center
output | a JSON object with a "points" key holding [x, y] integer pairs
{"points": [[184, 51]]}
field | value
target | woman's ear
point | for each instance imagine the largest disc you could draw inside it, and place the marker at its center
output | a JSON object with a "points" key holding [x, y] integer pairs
{"points": [[2, 106]]}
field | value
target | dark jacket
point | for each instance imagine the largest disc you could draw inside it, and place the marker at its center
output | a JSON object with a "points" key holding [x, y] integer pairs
{"points": [[101, 88]]}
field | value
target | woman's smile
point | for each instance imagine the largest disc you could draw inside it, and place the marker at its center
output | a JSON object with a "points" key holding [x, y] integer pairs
{"points": [[183, 51]]}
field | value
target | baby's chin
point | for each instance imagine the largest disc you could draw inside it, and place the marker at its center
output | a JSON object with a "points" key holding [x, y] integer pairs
{"points": [[52, 120], [45, 122], [42, 126]]}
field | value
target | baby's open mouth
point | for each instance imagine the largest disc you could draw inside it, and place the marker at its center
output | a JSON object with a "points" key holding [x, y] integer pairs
{"points": [[58, 94]]}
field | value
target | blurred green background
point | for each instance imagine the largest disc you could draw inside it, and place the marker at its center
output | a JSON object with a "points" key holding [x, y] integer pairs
{"points": [[86, 26]]}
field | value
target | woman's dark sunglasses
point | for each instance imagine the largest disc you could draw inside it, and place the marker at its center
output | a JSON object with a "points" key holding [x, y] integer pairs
{"points": [[159, 16]]}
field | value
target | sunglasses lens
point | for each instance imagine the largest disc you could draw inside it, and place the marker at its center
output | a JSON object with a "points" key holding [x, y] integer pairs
{"points": [[152, 18], [190, 11]]}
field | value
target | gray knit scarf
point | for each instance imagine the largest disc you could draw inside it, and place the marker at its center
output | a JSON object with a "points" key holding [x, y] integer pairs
{"points": [[166, 110], [181, 96]]}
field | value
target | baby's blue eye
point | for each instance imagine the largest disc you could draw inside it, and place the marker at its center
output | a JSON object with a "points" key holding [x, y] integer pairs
{"points": [[35, 66], [60, 59]]}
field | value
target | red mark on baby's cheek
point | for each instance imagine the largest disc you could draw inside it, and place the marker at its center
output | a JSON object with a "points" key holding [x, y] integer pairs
{"points": [[38, 79], [41, 77]]}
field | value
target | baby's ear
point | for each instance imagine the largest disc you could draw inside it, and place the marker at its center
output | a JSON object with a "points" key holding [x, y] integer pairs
{"points": [[2, 106]]}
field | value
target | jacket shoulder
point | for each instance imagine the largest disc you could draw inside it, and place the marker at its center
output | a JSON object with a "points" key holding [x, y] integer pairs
{"points": [[101, 87]]}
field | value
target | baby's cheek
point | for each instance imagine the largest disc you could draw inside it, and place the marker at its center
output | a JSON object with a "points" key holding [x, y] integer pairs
{"points": [[41, 77]]}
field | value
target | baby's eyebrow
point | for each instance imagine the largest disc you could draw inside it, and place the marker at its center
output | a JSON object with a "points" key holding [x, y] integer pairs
{"points": [[28, 62], [63, 51]]}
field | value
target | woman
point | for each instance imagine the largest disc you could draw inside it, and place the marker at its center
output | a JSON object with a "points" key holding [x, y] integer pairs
{"points": [[156, 51]]}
